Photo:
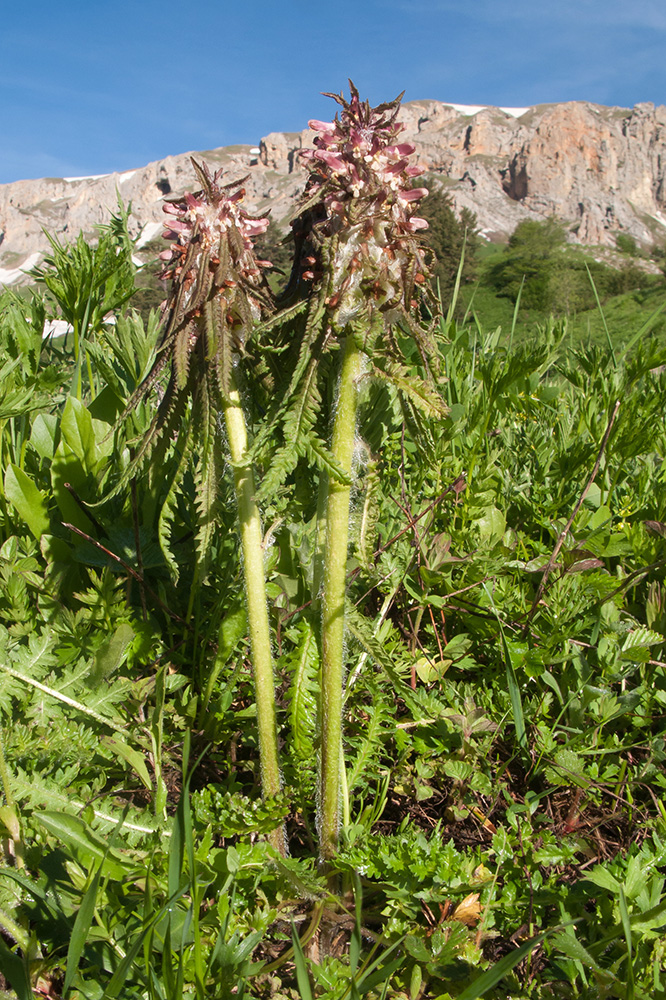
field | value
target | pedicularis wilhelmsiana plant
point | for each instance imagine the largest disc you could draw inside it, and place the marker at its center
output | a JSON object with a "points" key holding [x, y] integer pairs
{"points": [[360, 252], [360, 273], [217, 294]]}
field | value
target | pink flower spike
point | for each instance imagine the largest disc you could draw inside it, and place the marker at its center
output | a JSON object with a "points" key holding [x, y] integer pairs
{"points": [[415, 223], [318, 126], [414, 171], [165, 255], [170, 209]]}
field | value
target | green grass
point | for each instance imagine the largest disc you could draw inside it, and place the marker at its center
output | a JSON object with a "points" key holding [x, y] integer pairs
{"points": [[625, 314], [504, 816]]}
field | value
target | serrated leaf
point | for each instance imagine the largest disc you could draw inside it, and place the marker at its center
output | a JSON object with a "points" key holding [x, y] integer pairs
{"points": [[569, 945], [641, 637], [302, 693]]}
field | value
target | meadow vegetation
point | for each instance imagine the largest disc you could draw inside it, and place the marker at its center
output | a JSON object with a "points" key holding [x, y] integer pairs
{"points": [[471, 798]]}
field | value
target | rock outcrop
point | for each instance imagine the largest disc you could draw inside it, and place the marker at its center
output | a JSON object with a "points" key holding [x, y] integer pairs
{"points": [[600, 170]]}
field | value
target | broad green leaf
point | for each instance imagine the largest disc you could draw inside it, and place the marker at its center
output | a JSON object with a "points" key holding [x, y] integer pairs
{"points": [[603, 878], [43, 434], [68, 468], [14, 968], [27, 499], [85, 845], [492, 526], [76, 429], [429, 671], [111, 653], [459, 770], [134, 758], [634, 881], [601, 518]]}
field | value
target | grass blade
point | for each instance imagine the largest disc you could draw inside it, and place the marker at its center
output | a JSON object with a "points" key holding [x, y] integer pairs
{"points": [[515, 312], [81, 928], [456, 288], [511, 680], [302, 979], [603, 318], [500, 969], [13, 967], [626, 927], [647, 325]]}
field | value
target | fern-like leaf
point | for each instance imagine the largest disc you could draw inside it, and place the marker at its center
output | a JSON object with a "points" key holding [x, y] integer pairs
{"points": [[379, 726], [168, 509], [368, 517], [303, 692], [423, 396]]}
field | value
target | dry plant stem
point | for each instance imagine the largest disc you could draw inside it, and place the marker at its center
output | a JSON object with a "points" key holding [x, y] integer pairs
{"points": [[333, 615], [257, 609], [560, 541]]}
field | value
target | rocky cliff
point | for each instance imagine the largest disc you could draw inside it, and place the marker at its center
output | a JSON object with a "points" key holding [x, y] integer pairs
{"points": [[601, 170]]}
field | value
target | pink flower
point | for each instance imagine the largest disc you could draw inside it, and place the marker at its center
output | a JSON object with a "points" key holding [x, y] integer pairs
{"points": [[413, 194], [363, 177], [318, 126], [206, 229]]}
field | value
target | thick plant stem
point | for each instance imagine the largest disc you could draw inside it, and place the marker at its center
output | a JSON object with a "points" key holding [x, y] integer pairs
{"points": [[333, 614], [257, 610]]}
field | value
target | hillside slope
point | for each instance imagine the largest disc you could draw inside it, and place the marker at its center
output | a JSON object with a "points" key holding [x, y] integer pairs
{"points": [[601, 170]]}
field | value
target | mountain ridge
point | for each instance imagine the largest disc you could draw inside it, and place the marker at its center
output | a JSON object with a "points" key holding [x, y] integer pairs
{"points": [[600, 170]]}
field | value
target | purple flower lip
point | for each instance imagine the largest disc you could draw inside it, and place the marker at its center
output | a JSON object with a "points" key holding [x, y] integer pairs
{"points": [[318, 126], [413, 194]]}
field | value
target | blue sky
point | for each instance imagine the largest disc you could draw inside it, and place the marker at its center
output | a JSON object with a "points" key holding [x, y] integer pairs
{"points": [[91, 86]]}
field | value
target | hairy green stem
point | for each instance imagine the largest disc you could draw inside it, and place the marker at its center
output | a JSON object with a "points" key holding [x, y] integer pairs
{"points": [[257, 609], [333, 615]]}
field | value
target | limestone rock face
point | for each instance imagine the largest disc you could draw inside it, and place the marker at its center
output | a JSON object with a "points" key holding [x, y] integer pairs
{"points": [[600, 170]]}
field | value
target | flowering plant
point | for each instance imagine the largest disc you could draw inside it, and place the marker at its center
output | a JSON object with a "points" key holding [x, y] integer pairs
{"points": [[361, 178], [360, 262], [218, 294]]}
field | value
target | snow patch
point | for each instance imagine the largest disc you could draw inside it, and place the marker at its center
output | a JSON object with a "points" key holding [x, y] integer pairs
{"points": [[126, 176], [150, 230], [88, 177], [57, 328], [10, 276], [473, 109]]}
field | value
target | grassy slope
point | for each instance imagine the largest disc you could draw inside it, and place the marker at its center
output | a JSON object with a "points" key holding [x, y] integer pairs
{"points": [[625, 314]]}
